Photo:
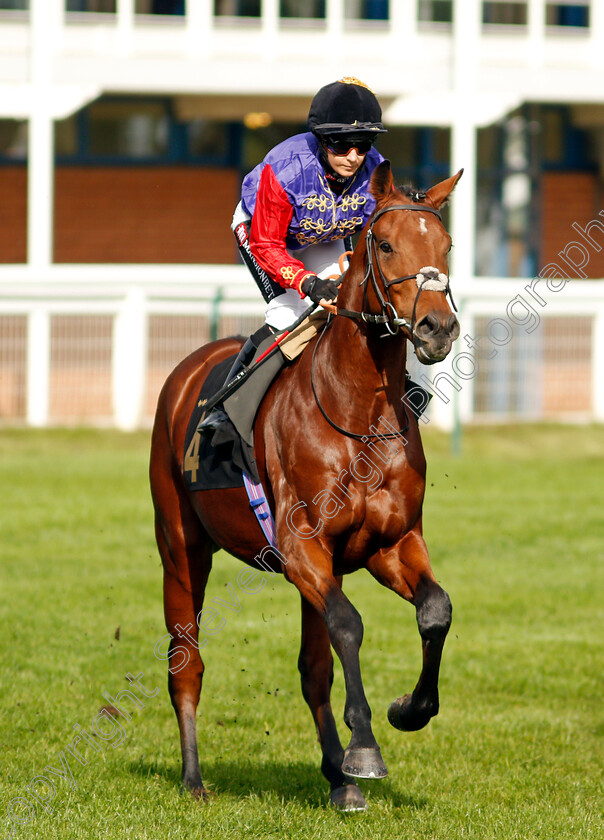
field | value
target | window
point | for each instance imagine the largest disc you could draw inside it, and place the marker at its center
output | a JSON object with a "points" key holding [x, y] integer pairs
{"points": [[126, 129], [13, 139], [366, 9], [302, 8], [141, 7], [506, 202], [90, 6], [564, 145], [435, 11], [237, 8], [212, 141], [160, 7], [510, 14], [66, 137], [419, 156], [567, 14]]}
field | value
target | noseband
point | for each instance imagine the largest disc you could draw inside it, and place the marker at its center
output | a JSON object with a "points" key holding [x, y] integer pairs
{"points": [[389, 316]]}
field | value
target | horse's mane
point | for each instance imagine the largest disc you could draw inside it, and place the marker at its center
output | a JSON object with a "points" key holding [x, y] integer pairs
{"points": [[411, 192], [417, 196]]}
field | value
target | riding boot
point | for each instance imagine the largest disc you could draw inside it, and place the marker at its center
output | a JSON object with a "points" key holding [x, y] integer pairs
{"points": [[242, 405], [217, 415]]}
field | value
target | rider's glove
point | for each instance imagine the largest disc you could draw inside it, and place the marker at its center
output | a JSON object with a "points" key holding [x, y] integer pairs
{"points": [[317, 289]]}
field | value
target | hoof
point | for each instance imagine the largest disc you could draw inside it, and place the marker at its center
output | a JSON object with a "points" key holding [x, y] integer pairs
{"points": [[196, 791], [403, 714], [348, 798], [364, 763]]}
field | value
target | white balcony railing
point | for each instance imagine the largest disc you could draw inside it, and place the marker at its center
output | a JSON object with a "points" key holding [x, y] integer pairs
{"points": [[127, 51]]}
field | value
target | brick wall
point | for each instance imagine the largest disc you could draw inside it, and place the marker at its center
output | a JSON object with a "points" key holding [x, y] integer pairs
{"points": [[183, 214], [138, 215], [569, 197], [13, 214]]}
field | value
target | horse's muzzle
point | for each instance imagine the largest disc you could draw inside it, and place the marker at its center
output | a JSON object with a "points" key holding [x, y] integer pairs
{"points": [[433, 337]]}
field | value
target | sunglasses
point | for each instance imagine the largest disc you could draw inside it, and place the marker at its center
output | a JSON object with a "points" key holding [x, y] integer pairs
{"points": [[342, 146]]}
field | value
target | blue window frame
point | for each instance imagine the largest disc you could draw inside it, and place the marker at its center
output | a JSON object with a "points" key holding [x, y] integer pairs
{"points": [[132, 131]]}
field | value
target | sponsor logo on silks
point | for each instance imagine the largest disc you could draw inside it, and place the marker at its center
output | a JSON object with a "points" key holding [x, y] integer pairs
{"points": [[241, 233]]}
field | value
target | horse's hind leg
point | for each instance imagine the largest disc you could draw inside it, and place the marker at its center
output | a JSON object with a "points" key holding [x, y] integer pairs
{"points": [[407, 572], [316, 671], [186, 553]]}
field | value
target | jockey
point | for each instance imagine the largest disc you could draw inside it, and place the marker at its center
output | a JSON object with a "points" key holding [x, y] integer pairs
{"points": [[300, 205]]}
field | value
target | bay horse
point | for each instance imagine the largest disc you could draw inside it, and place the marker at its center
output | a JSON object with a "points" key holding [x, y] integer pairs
{"points": [[341, 461]]}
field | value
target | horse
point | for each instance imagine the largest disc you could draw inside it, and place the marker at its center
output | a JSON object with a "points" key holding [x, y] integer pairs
{"points": [[340, 458]]}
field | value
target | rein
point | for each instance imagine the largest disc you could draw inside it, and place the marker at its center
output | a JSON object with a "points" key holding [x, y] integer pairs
{"points": [[364, 438]]}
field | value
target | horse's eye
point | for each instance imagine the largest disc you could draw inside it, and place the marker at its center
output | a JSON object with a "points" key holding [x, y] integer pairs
{"points": [[385, 247]]}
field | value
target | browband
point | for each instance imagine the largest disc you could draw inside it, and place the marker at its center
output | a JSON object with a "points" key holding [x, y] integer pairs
{"points": [[421, 207]]}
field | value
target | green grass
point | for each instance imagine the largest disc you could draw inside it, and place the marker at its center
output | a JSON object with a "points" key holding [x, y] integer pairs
{"points": [[514, 526]]}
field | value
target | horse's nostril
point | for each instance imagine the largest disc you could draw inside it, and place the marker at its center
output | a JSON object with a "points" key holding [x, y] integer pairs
{"points": [[428, 325], [453, 327]]}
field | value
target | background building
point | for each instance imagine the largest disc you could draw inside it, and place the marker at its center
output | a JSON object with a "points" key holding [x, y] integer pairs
{"points": [[127, 125]]}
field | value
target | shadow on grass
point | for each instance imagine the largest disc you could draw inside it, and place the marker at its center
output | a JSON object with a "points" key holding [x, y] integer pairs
{"points": [[291, 781]]}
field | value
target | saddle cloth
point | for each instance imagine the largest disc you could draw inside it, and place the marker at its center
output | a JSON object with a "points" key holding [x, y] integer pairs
{"points": [[208, 467]]}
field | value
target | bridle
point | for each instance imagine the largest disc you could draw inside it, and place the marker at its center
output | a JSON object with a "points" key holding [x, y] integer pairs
{"points": [[388, 316]]}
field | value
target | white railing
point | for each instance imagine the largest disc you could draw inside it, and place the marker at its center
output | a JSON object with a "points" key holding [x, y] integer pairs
{"points": [[94, 344]]}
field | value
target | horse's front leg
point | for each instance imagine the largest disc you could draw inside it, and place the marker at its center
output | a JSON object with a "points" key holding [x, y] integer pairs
{"points": [[309, 568], [316, 672], [406, 570]]}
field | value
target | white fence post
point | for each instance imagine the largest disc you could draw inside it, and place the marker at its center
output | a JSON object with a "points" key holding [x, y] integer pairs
{"points": [[38, 367], [129, 361], [597, 365], [464, 373]]}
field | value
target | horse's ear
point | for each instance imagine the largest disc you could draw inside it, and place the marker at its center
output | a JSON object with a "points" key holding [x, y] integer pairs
{"points": [[381, 182], [438, 194]]}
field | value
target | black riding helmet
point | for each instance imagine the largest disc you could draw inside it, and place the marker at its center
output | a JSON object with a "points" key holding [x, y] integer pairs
{"points": [[345, 107]]}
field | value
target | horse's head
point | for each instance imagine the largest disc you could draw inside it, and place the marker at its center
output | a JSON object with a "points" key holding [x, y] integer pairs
{"points": [[406, 276]]}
